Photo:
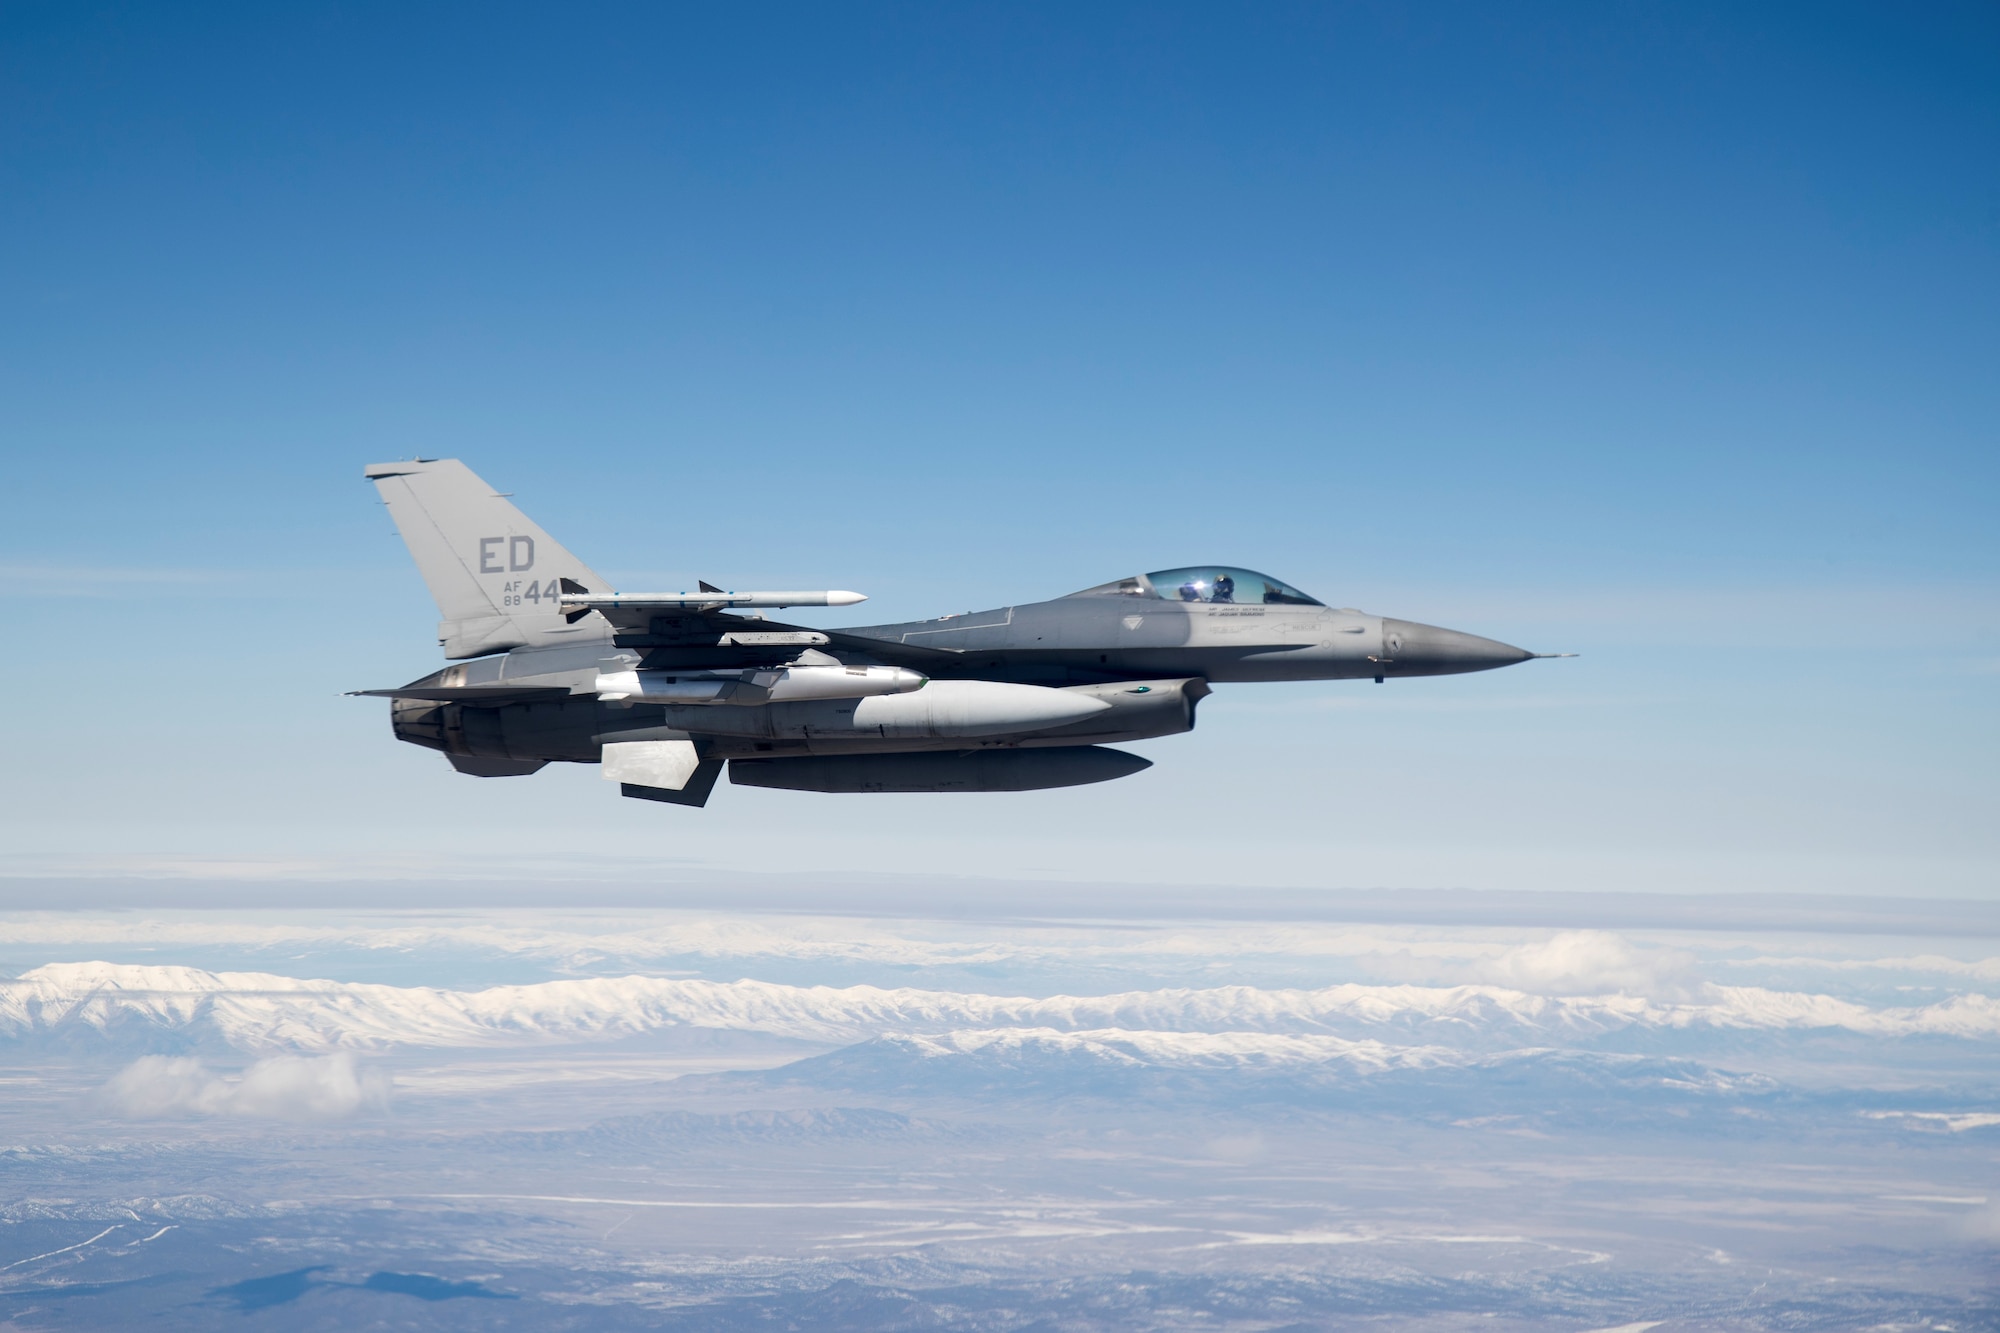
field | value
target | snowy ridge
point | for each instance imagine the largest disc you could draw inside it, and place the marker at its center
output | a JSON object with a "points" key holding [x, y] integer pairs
{"points": [[1243, 1068], [260, 1012], [1217, 1050]]}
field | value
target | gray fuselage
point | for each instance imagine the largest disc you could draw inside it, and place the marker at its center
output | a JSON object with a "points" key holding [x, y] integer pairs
{"points": [[1106, 636], [1150, 660]]}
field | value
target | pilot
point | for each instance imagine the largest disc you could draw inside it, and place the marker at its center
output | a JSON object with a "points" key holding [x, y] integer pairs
{"points": [[1191, 591], [1225, 589]]}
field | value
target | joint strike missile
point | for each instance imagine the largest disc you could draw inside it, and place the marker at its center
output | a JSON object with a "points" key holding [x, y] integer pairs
{"points": [[970, 708], [942, 709], [785, 685]]}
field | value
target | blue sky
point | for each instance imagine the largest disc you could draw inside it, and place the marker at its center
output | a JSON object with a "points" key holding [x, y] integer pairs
{"points": [[1662, 335]]}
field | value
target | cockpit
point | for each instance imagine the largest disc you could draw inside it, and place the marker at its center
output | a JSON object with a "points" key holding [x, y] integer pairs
{"points": [[1205, 583]]}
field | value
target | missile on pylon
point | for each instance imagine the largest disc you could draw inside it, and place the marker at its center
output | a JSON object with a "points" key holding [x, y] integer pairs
{"points": [[783, 685]]}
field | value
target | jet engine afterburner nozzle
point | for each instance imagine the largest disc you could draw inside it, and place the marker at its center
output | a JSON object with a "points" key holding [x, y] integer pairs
{"points": [[419, 722]]}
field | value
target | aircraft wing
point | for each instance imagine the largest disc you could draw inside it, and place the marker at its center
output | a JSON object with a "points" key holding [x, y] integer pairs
{"points": [[714, 637], [700, 629], [891, 651]]}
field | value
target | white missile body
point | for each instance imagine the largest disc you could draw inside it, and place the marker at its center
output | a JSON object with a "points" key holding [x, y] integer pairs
{"points": [[797, 684], [661, 688], [941, 709], [706, 600], [847, 701], [784, 685]]}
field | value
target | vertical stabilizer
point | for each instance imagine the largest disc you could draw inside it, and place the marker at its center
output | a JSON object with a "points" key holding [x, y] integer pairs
{"points": [[496, 577]]}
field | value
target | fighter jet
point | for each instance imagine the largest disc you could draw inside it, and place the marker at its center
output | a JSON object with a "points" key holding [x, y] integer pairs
{"points": [[662, 689]]}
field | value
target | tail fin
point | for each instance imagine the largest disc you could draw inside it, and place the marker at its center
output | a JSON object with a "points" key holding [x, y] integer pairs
{"points": [[496, 577]]}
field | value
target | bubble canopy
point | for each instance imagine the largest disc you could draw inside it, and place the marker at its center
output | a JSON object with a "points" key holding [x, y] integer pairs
{"points": [[1205, 583]]}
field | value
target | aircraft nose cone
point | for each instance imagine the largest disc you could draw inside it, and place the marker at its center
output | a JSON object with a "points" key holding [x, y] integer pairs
{"points": [[1410, 649]]}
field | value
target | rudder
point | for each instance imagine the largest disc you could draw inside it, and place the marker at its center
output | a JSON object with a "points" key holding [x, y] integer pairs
{"points": [[495, 575]]}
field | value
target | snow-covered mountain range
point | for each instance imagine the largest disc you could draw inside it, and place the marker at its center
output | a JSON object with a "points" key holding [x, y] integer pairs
{"points": [[1242, 1069], [263, 1013]]}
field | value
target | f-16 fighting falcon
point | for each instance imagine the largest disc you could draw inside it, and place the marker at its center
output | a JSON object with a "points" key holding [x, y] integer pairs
{"points": [[663, 688]]}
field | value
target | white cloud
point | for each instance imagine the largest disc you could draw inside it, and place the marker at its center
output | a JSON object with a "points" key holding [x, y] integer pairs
{"points": [[590, 941], [285, 1087], [1592, 962], [1564, 963], [1956, 1122], [1977, 969]]}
